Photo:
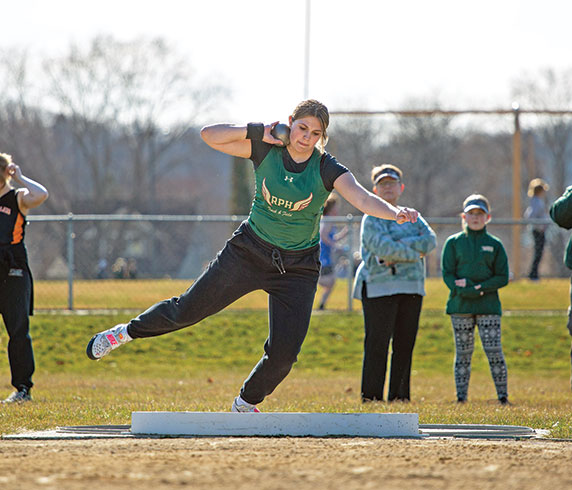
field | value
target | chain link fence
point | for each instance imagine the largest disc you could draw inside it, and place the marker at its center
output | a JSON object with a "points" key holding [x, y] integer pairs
{"points": [[128, 262]]}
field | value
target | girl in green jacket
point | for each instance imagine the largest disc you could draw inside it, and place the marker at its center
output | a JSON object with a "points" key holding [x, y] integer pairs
{"points": [[474, 266]]}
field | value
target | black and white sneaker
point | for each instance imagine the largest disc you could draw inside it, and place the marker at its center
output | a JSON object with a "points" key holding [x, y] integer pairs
{"points": [[104, 342], [20, 396]]}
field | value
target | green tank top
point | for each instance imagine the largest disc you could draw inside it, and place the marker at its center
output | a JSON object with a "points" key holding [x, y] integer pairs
{"points": [[287, 206]]}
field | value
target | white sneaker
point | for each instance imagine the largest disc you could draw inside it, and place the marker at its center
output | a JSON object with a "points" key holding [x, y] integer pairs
{"points": [[104, 342], [20, 396], [239, 405]]}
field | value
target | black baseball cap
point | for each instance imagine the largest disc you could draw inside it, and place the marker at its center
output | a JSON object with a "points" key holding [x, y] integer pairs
{"points": [[476, 204], [387, 172]]}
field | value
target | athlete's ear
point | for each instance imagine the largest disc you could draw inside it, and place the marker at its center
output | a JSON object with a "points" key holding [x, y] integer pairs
{"points": [[290, 121], [402, 187]]}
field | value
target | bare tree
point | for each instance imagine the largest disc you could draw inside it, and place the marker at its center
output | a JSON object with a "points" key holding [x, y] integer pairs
{"points": [[356, 142], [25, 127], [104, 128], [129, 103], [550, 89], [425, 147]]}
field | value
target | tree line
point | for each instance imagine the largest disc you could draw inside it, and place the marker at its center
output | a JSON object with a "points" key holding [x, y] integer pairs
{"points": [[113, 127]]}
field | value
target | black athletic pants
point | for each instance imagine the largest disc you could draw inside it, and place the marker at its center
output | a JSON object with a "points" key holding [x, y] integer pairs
{"points": [[245, 264], [389, 317], [15, 299], [539, 241]]}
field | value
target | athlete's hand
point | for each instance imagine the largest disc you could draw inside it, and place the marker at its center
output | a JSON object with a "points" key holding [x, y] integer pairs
{"points": [[462, 283], [268, 138], [14, 171], [405, 215]]}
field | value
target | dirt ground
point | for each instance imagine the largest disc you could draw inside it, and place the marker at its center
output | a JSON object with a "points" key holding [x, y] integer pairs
{"points": [[284, 463]]}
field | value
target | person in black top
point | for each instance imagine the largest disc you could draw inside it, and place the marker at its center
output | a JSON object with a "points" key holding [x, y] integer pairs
{"points": [[15, 277], [276, 249]]}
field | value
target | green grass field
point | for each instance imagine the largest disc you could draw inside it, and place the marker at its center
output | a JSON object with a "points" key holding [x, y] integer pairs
{"points": [[548, 294], [202, 367]]}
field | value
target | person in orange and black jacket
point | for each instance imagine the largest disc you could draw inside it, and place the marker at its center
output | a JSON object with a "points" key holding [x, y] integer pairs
{"points": [[18, 194]]}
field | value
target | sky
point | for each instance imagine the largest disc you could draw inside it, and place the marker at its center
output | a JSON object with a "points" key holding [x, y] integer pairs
{"points": [[364, 54]]}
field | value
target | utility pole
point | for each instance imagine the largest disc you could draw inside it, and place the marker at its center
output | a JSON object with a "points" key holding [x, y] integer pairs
{"points": [[307, 51], [516, 185]]}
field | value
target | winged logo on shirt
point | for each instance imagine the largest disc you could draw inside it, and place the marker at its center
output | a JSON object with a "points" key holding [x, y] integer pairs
{"points": [[302, 204], [266, 193], [272, 200]]}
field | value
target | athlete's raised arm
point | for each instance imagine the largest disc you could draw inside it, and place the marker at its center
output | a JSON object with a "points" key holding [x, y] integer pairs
{"points": [[367, 202], [235, 140], [33, 193]]}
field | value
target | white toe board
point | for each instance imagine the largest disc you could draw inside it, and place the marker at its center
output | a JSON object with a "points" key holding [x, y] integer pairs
{"points": [[276, 424]]}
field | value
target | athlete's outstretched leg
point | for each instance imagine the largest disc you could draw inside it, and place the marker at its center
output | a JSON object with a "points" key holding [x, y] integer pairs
{"points": [[232, 274]]}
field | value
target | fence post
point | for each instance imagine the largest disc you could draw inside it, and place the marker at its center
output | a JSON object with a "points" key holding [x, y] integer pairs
{"points": [[350, 271], [70, 250]]}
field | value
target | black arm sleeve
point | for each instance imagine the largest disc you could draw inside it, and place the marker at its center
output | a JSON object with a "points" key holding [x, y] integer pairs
{"points": [[330, 170], [259, 151]]}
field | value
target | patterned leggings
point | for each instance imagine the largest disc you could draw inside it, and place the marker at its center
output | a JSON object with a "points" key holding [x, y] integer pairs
{"points": [[490, 333]]}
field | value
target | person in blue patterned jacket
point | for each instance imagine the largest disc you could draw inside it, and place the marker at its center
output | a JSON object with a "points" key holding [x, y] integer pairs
{"points": [[390, 282]]}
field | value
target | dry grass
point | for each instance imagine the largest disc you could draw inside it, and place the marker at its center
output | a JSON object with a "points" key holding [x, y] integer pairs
{"points": [[548, 294], [202, 368], [63, 400]]}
